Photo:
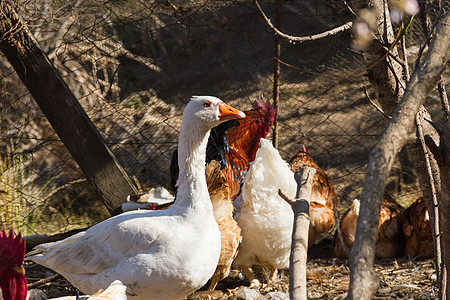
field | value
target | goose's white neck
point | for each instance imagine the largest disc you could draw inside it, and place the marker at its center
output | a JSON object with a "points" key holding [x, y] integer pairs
{"points": [[192, 187]]}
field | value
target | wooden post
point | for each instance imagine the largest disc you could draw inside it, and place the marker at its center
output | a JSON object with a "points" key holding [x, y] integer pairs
{"points": [[63, 111], [299, 245], [276, 73]]}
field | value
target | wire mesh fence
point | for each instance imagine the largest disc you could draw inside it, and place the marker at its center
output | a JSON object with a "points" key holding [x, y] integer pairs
{"points": [[133, 65]]}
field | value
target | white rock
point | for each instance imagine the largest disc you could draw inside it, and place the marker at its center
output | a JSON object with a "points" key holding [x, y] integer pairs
{"points": [[36, 294]]}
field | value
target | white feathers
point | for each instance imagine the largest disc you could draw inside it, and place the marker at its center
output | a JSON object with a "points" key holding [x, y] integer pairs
{"points": [[266, 220]]}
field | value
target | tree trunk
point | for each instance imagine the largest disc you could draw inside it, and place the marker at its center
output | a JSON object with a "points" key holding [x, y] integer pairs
{"points": [[63, 111], [363, 279], [445, 202], [388, 85]]}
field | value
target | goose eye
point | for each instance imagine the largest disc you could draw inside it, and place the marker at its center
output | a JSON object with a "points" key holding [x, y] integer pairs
{"points": [[207, 104]]}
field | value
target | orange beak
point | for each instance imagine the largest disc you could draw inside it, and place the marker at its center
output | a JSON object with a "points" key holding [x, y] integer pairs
{"points": [[227, 112]]}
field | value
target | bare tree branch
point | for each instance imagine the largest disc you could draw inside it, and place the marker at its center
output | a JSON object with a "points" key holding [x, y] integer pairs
{"points": [[43, 281], [301, 39], [363, 279]]}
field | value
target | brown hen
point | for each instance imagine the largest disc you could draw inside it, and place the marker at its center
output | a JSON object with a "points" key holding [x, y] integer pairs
{"points": [[417, 229], [219, 193], [321, 205], [390, 238]]}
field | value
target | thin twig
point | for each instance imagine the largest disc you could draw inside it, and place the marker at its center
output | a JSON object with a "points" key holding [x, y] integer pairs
{"points": [[301, 39], [405, 58], [395, 57], [350, 9], [435, 205], [399, 80], [43, 281], [374, 104], [285, 198]]}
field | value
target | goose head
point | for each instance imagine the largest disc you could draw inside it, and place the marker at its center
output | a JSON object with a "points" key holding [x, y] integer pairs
{"points": [[207, 112], [201, 114]]}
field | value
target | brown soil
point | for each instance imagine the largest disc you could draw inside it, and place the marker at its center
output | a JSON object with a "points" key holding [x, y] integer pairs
{"points": [[327, 278]]}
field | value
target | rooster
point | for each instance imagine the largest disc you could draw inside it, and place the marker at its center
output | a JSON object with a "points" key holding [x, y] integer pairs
{"points": [[390, 238], [322, 194], [243, 141], [417, 229], [232, 146]]}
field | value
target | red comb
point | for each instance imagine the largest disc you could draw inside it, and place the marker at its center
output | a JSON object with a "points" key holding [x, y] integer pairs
{"points": [[259, 102], [12, 246], [264, 106], [304, 149]]}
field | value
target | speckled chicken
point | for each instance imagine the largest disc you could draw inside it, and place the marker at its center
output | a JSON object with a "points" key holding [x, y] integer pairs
{"points": [[321, 206], [417, 229], [390, 238]]}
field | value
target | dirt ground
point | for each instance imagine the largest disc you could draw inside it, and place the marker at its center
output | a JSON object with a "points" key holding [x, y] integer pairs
{"points": [[327, 278]]}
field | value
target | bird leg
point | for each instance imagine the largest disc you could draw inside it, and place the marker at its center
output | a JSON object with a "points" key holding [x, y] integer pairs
{"points": [[271, 273], [213, 284], [248, 273]]}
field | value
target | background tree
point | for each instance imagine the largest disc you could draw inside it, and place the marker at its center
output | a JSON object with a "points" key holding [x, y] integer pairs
{"points": [[387, 79]]}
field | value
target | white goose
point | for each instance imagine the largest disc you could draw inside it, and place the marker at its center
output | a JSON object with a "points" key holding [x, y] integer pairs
{"points": [[163, 254]]}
